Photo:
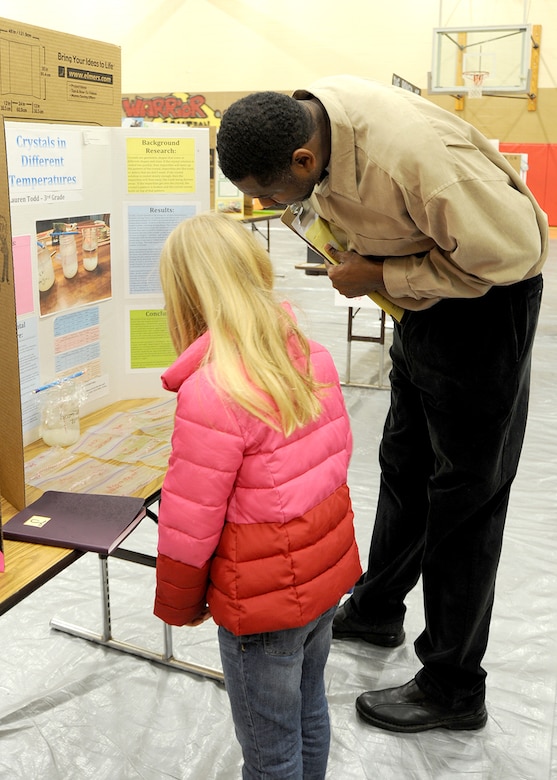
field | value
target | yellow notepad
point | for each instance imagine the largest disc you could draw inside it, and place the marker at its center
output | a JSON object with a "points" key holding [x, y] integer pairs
{"points": [[317, 233]]}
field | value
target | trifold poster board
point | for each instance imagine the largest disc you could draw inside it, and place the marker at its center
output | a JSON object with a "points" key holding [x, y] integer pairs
{"points": [[1, 544], [50, 76], [11, 456], [90, 210]]}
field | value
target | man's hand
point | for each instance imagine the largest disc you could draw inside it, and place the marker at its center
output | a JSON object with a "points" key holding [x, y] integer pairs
{"points": [[354, 275]]}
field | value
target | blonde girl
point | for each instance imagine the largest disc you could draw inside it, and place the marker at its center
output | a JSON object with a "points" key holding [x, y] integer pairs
{"points": [[255, 522]]}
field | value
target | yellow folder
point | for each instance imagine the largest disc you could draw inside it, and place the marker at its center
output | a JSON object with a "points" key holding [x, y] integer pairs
{"points": [[316, 232]]}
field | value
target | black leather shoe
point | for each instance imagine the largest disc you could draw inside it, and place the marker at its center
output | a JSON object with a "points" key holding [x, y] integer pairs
{"points": [[346, 626], [409, 710]]}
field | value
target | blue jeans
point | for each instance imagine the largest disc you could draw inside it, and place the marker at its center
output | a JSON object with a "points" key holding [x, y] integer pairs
{"points": [[275, 682]]}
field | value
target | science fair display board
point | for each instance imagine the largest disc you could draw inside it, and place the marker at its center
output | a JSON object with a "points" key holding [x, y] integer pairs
{"points": [[90, 210]]}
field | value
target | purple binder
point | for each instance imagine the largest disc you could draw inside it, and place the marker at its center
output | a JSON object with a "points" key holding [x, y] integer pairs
{"points": [[80, 521]]}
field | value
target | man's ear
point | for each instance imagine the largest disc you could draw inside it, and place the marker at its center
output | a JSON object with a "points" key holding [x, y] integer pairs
{"points": [[303, 160]]}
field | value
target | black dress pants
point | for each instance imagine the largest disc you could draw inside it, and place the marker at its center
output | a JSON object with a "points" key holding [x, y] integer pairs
{"points": [[449, 453]]}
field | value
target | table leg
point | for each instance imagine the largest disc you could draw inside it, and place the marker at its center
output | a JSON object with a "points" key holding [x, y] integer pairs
{"points": [[350, 337], [105, 599], [165, 658], [266, 236]]}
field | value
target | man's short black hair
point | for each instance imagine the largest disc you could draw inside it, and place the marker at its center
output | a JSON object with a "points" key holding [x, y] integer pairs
{"points": [[258, 135]]}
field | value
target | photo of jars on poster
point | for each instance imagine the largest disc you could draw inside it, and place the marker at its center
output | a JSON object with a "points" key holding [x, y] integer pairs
{"points": [[74, 267]]}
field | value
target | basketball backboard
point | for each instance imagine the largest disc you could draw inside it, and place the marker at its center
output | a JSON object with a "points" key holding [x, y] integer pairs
{"points": [[501, 54]]}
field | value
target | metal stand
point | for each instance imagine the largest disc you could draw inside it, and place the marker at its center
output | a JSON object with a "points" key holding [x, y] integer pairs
{"points": [[351, 336], [166, 658]]}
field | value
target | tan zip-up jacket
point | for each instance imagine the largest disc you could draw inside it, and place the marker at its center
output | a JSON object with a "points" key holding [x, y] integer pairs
{"points": [[416, 185]]}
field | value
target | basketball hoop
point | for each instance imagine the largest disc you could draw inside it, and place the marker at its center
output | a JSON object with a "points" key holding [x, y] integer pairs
{"points": [[475, 82]]}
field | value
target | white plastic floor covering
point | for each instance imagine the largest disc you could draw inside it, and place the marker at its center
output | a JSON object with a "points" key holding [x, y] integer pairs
{"points": [[70, 710]]}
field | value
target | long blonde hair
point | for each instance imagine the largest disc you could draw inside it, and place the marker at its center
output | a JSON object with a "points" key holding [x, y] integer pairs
{"points": [[215, 276]]}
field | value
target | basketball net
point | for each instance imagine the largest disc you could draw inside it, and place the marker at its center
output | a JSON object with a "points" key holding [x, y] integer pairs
{"points": [[475, 82]]}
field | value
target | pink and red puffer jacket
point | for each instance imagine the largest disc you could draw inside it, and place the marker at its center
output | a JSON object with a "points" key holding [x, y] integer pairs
{"points": [[257, 525]]}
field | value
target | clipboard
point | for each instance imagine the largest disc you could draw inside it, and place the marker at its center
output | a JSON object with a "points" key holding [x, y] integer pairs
{"points": [[315, 231]]}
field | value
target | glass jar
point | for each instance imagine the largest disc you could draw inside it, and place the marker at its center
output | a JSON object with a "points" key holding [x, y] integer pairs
{"points": [[46, 269], [68, 254], [59, 413], [89, 247]]}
